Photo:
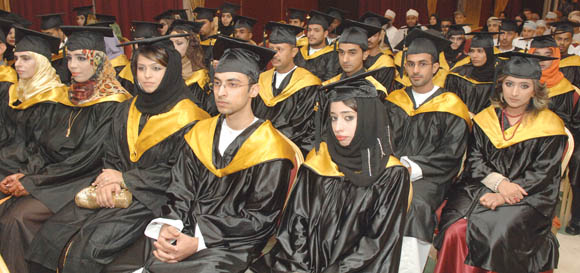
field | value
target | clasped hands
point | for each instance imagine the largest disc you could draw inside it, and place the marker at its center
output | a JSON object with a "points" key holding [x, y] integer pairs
{"points": [[168, 252], [11, 185], [508, 192], [108, 183]]}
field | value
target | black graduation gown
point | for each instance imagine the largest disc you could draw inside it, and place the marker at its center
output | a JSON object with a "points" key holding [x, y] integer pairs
{"points": [[513, 238], [434, 136], [125, 78], [385, 77], [292, 106], [332, 225], [59, 63], [476, 95], [200, 91], [8, 77], [236, 199], [143, 149], [563, 102], [207, 46], [323, 64], [570, 66]]}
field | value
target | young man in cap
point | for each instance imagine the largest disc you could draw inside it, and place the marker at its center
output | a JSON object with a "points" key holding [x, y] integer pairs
{"points": [[167, 17], [50, 24], [493, 25], [289, 95], [445, 24], [317, 56], [377, 58], [569, 62], [335, 27], [509, 29], [297, 17], [460, 18], [528, 31], [205, 16], [229, 183], [392, 33], [244, 27], [433, 157]]}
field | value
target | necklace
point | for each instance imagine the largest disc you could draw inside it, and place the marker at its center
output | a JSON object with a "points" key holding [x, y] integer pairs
{"points": [[71, 121], [515, 129]]}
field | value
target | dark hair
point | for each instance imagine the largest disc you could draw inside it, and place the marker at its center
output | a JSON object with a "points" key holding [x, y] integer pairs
{"points": [[351, 103], [194, 51], [154, 53], [539, 101]]}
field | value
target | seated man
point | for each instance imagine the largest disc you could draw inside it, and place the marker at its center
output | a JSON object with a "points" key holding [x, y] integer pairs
{"points": [[229, 183], [377, 58], [244, 27], [569, 61]]}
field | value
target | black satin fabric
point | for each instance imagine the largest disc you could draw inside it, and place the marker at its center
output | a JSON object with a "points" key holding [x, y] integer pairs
{"points": [[436, 141], [99, 235], [293, 117], [203, 97], [454, 56], [572, 73], [236, 213], [324, 66], [385, 77], [331, 225], [516, 238], [62, 71], [475, 96], [6, 129], [485, 72]]}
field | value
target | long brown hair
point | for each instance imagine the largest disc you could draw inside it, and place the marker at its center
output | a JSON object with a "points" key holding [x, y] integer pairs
{"points": [[194, 51], [538, 102]]}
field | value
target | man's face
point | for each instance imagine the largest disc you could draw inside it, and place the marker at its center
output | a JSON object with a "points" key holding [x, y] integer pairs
{"points": [[375, 40], [459, 18], [54, 32], [243, 33], [564, 40], [506, 39], [420, 68], [316, 35], [233, 92], [206, 28], [165, 24], [493, 25], [296, 22], [445, 26], [528, 32], [335, 23], [351, 57], [284, 55], [411, 20], [528, 14]]}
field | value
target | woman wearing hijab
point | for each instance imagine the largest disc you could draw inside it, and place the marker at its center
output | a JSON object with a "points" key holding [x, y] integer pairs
{"points": [[499, 216], [193, 70], [143, 145], [456, 50], [473, 82], [347, 210]]}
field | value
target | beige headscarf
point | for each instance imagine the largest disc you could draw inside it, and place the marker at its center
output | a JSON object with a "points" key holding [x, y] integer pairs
{"points": [[44, 79]]}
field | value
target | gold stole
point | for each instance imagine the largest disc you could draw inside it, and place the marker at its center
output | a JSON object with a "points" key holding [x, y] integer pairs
{"points": [[301, 78]]}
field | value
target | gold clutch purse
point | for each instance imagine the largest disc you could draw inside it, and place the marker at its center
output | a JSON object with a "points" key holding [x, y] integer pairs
{"points": [[87, 198]]}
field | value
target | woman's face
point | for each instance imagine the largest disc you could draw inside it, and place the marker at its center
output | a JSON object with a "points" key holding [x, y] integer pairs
{"points": [[343, 120], [149, 74], [432, 20], [79, 65], [10, 38], [226, 18], [478, 56], [517, 92], [25, 65], [547, 52], [180, 44]]}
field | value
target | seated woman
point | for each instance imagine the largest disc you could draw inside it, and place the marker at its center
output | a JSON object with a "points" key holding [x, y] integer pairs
{"points": [[498, 217], [473, 82], [64, 152], [347, 210], [141, 149], [456, 50], [194, 73]]}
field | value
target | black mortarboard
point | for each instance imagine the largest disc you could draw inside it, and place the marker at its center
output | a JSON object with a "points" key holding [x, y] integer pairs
{"points": [[38, 42], [370, 28], [86, 37], [242, 57], [204, 13], [357, 33], [154, 40], [244, 22], [52, 20], [105, 17], [170, 14], [352, 87], [508, 25], [181, 12], [6, 23], [523, 65], [373, 19], [145, 29], [482, 39], [283, 33], [84, 10], [18, 20], [456, 29], [297, 14], [319, 18], [336, 13], [565, 26], [188, 26], [544, 41], [101, 24], [164, 15], [419, 41], [228, 7]]}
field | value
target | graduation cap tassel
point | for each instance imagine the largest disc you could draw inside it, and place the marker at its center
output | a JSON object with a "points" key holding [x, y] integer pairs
{"points": [[317, 126], [403, 57]]}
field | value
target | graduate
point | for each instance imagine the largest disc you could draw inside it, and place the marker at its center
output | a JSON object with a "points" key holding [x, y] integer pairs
{"points": [[129, 190], [289, 95], [335, 27], [205, 16], [317, 56], [569, 62], [193, 70], [230, 181], [499, 216], [85, 15], [244, 27], [377, 58], [510, 31], [167, 17], [429, 128], [7, 23], [297, 17], [347, 209], [228, 11], [68, 146], [140, 30], [456, 50], [8, 77], [50, 24], [473, 82]]}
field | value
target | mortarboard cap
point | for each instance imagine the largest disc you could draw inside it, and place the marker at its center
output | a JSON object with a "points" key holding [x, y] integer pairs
{"points": [[105, 17], [38, 42], [565, 26], [369, 28], [189, 26], [283, 33], [84, 10], [242, 57], [336, 13], [352, 87], [52, 20], [320, 18], [544, 41], [374, 19], [456, 29], [204, 13], [86, 37], [245, 22], [523, 65], [419, 41], [158, 40], [508, 25], [228, 7], [143, 29], [101, 24], [297, 14], [482, 39]]}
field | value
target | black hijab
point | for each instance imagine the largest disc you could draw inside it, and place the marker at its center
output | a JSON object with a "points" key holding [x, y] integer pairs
{"points": [[365, 158], [485, 72], [170, 91], [452, 55]]}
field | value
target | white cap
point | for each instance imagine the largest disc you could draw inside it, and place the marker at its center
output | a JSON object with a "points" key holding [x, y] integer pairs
{"points": [[492, 18], [530, 24], [551, 15], [390, 13], [574, 18], [412, 12], [541, 23]]}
